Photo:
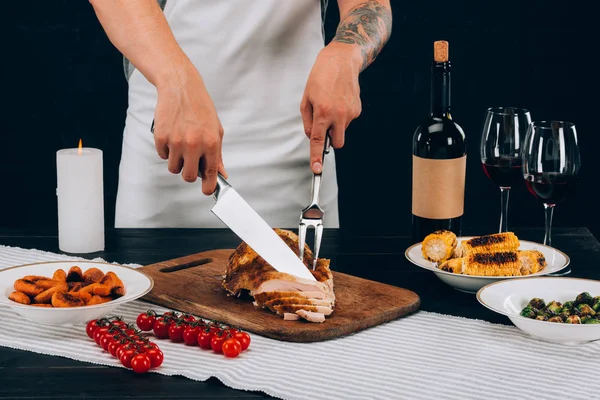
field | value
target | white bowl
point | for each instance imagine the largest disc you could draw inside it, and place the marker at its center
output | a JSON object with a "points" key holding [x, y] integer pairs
{"points": [[509, 297], [556, 260], [136, 283]]}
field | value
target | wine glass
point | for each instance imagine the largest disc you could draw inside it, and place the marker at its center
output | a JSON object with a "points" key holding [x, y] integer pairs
{"points": [[551, 164], [503, 133]]}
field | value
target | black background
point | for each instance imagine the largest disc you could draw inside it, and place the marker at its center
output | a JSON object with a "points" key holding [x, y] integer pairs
{"points": [[63, 80]]}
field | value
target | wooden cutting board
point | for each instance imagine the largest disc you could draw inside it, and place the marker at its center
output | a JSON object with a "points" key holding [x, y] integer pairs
{"points": [[193, 284]]}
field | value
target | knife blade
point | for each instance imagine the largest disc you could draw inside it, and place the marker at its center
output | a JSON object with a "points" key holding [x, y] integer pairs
{"points": [[245, 222]]}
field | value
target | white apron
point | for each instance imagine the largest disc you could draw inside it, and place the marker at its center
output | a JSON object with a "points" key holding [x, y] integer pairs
{"points": [[254, 57]]}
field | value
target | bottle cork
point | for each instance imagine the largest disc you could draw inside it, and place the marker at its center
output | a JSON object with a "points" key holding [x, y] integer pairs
{"points": [[440, 51]]}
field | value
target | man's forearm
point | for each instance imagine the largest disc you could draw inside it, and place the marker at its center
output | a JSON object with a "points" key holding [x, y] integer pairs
{"points": [[139, 30], [365, 24]]}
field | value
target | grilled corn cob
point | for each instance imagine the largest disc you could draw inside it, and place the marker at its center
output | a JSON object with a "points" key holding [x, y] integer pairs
{"points": [[438, 246], [454, 265], [502, 263], [532, 261], [498, 242]]}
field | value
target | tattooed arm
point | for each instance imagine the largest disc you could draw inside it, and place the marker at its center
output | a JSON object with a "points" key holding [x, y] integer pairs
{"points": [[332, 95], [367, 24]]}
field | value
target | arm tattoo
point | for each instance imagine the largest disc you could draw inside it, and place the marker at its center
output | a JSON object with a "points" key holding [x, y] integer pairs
{"points": [[368, 25]]}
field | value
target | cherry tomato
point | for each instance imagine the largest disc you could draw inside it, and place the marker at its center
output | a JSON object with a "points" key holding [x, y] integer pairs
{"points": [[243, 338], [122, 348], [130, 332], [151, 345], [126, 356], [204, 338], [176, 332], [91, 327], [140, 363], [190, 335], [120, 323], [113, 347], [145, 322], [215, 328], [156, 357], [216, 343], [231, 348], [160, 328], [232, 331], [105, 340], [98, 333]]}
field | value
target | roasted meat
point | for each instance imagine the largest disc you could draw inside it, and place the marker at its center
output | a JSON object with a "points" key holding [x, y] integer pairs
{"points": [[279, 292]]}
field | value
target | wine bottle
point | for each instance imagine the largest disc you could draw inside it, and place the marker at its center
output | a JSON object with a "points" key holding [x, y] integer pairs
{"points": [[439, 159]]}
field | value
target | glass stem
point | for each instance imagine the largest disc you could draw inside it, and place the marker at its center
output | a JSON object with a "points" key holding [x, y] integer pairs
{"points": [[504, 193], [549, 210]]}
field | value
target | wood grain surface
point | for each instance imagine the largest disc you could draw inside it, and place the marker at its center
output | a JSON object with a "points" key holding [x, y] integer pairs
{"points": [[193, 284]]}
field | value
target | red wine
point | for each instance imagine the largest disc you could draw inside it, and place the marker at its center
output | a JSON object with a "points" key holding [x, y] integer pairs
{"points": [[439, 159], [503, 171], [551, 188]]}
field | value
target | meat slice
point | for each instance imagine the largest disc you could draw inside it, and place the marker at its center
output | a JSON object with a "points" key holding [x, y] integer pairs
{"points": [[247, 271], [295, 300], [311, 316], [263, 297], [292, 308], [291, 317]]}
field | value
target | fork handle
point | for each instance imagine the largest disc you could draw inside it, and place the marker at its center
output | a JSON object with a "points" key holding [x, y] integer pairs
{"points": [[316, 181]]}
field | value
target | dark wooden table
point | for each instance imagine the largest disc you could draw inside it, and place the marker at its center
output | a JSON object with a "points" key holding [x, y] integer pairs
{"points": [[26, 375]]}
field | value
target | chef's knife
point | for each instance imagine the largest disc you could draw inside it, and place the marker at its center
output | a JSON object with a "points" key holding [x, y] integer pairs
{"points": [[245, 222], [237, 214]]}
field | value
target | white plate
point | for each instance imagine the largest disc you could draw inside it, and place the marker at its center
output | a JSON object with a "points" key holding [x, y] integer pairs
{"points": [[136, 283], [556, 261], [509, 297]]}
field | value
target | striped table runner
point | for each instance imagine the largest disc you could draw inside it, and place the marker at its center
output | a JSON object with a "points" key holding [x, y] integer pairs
{"points": [[423, 356]]}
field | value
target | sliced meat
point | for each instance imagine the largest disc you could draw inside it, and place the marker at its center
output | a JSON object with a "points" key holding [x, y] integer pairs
{"points": [[311, 316], [291, 317], [280, 292], [263, 297], [296, 300], [292, 308]]}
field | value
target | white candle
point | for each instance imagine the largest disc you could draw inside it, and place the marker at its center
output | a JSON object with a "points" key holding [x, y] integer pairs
{"points": [[80, 191]]}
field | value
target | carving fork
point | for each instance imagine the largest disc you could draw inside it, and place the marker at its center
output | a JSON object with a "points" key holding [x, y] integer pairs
{"points": [[312, 215]]}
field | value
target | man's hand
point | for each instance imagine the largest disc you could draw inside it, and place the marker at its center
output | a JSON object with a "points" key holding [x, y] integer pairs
{"points": [[331, 101], [187, 130], [332, 96]]}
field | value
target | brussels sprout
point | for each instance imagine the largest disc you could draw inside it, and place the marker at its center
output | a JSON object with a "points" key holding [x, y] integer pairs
{"points": [[585, 309], [568, 304], [542, 317], [573, 319], [529, 312], [592, 321], [596, 303], [583, 298], [537, 303], [585, 319], [554, 307], [557, 318]]}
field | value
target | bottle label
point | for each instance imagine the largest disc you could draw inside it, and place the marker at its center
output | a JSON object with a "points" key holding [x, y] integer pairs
{"points": [[438, 187]]}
